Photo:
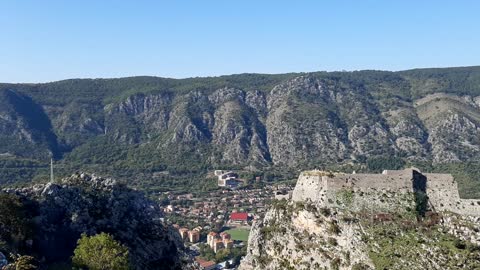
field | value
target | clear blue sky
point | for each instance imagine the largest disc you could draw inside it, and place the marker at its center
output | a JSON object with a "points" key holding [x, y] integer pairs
{"points": [[46, 40]]}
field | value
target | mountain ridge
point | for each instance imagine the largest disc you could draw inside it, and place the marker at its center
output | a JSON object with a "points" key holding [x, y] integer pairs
{"points": [[426, 69], [145, 125]]}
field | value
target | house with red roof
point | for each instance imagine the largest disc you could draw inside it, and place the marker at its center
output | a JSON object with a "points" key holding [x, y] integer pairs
{"points": [[239, 218], [204, 264]]}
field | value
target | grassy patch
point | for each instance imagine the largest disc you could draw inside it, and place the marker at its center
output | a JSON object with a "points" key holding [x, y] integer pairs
{"points": [[239, 234], [392, 245]]}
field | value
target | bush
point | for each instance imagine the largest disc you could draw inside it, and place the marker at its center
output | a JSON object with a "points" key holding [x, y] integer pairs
{"points": [[100, 252], [334, 228], [421, 203], [360, 266], [335, 264], [459, 244], [332, 241], [325, 211]]}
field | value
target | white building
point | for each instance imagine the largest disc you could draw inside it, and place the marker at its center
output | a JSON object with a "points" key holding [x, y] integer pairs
{"points": [[227, 179]]}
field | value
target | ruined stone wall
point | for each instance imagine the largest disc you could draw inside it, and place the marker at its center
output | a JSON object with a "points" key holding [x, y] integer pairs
{"points": [[357, 192], [370, 200], [309, 187], [389, 191], [371, 192], [468, 207], [399, 183], [442, 191]]}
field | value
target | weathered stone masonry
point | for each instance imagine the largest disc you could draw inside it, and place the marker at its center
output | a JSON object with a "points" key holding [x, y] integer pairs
{"points": [[390, 191]]}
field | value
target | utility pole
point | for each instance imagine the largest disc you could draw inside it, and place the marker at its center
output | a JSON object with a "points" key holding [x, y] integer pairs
{"points": [[51, 170]]}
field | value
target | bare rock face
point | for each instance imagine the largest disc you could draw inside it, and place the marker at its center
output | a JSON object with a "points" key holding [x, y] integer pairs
{"points": [[362, 138], [90, 204], [238, 133], [409, 134], [257, 101], [455, 138], [239, 138], [453, 123], [126, 120], [300, 126], [294, 238]]}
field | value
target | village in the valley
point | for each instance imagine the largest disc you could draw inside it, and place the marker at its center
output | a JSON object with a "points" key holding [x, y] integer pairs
{"points": [[215, 225]]}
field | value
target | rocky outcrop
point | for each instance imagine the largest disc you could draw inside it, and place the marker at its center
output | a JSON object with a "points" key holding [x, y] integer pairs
{"points": [[452, 123], [89, 204], [365, 222], [301, 126], [126, 121], [293, 238], [455, 138], [409, 133]]}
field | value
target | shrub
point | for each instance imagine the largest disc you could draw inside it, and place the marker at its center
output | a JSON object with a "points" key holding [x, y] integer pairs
{"points": [[459, 244], [100, 252], [334, 228], [325, 211], [332, 241], [360, 266], [335, 264], [421, 203]]}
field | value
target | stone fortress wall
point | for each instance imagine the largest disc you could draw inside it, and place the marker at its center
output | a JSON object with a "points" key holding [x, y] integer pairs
{"points": [[390, 191], [442, 191]]}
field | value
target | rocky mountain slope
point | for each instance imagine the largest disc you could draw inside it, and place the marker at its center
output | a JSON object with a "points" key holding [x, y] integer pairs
{"points": [[58, 213], [154, 125]]}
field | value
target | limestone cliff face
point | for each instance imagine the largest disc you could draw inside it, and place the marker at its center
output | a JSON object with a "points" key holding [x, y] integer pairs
{"points": [[303, 120], [300, 124], [294, 237], [409, 134], [445, 115], [126, 120]]}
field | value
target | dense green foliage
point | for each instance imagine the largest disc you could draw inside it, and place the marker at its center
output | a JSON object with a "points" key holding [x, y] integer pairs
{"points": [[222, 255], [464, 80], [104, 91], [100, 252], [378, 164]]}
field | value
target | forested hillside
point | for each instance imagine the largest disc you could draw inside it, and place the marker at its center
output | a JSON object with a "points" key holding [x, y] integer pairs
{"points": [[167, 133]]}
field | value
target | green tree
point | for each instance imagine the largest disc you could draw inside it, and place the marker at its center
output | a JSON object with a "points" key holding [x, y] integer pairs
{"points": [[206, 252], [222, 255], [100, 252]]}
